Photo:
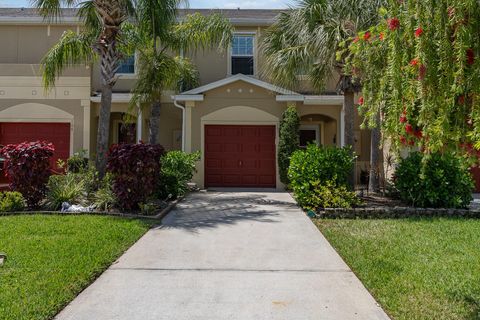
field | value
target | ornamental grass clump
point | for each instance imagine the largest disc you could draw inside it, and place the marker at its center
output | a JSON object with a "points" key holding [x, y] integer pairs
{"points": [[27, 167], [136, 172]]}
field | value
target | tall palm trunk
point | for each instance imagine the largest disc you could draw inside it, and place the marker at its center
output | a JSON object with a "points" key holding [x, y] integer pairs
{"points": [[349, 136], [154, 122], [112, 14], [375, 158]]}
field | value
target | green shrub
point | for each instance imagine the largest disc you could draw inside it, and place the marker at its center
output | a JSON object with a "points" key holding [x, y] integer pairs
{"points": [[288, 141], [436, 181], [104, 198], [64, 188], [11, 201], [328, 195], [177, 170], [318, 177], [78, 162]]}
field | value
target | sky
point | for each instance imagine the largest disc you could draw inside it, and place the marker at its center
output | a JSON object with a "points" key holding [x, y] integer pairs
{"points": [[221, 4]]}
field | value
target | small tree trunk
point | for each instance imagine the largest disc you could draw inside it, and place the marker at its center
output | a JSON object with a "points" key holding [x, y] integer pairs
{"points": [[103, 130], [154, 122], [375, 158], [349, 136]]}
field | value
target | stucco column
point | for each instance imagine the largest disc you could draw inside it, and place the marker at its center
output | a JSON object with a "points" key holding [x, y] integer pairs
{"points": [[139, 125], [342, 127], [188, 125], [86, 125]]}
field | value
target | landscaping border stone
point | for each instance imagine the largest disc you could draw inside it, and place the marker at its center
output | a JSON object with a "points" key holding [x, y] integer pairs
{"points": [[159, 216], [395, 213]]}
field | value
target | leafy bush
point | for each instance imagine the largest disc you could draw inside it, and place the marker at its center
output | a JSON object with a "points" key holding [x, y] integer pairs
{"points": [[11, 201], [288, 141], [136, 172], [177, 170], [436, 181], [318, 177], [64, 188], [27, 167], [104, 198], [78, 162], [328, 195]]}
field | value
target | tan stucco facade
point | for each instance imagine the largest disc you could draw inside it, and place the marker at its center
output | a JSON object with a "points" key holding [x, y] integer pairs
{"points": [[75, 97]]}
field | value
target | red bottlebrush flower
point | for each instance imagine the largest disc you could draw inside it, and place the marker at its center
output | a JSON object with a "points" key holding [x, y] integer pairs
{"points": [[461, 99], [361, 101], [418, 134], [470, 56], [355, 40], [403, 140], [411, 142], [403, 117], [414, 62], [408, 128], [393, 24], [422, 72], [367, 36], [418, 32], [381, 36]]}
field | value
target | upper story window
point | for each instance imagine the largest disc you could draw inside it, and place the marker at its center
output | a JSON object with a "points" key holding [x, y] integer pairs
{"points": [[243, 52], [127, 65]]}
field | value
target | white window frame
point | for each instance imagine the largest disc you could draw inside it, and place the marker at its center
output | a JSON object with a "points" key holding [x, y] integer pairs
{"points": [[230, 53], [131, 75]]}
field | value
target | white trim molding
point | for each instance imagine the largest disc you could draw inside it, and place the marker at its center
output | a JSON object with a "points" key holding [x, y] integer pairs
{"points": [[239, 77]]}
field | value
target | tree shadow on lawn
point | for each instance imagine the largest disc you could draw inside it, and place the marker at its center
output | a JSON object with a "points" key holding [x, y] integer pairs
{"points": [[209, 210]]}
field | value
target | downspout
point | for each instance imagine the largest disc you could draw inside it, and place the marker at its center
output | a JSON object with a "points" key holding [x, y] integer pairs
{"points": [[184, 121]]}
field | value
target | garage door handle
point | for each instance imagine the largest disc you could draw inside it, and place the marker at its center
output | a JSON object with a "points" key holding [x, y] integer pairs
{"points": [[240, 163]]}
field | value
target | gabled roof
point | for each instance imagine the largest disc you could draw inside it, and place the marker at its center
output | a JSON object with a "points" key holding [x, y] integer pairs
{"points": [[239, 77]]}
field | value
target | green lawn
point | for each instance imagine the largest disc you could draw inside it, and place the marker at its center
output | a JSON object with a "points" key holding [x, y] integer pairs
{"points": [[416, 269], [52, 258]]}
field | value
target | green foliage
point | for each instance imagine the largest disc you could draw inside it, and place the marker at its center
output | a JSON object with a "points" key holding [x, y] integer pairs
{"points": [[419, 68], [289, 141], [104, 198], [316, 172], [11, 201], [64, 188], [78, 162], [177, 170], [435, 181], [328, 195]]}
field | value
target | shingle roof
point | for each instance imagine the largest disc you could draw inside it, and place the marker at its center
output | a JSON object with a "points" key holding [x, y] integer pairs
{"points": [[233, 14]]}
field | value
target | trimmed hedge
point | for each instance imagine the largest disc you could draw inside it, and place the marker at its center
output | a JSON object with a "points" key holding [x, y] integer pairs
{"points": [[434, 181]]}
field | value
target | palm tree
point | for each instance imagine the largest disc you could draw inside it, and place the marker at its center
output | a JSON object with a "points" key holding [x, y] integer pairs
{"points": [[159, 68], [100, 37], [306, 41]]}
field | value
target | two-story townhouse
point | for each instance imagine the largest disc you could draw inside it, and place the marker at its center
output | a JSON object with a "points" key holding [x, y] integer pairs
{"points": [[232, 117]]}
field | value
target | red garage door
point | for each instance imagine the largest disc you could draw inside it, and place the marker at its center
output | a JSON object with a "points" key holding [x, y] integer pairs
{"points": [[240, 156], [56, 133]]}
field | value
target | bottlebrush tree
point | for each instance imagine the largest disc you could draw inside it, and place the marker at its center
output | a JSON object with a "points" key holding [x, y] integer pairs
{"points": [[420, 71]]}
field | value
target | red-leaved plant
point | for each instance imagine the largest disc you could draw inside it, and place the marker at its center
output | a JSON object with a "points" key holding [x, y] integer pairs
{"points": [[27, 167], [136, 172]]}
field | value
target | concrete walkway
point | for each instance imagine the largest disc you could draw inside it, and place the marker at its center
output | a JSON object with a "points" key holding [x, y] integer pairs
{"points": [[225, 255]]}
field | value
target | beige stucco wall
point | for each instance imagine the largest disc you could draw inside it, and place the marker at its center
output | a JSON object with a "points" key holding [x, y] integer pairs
{"points": [[73, 109]]}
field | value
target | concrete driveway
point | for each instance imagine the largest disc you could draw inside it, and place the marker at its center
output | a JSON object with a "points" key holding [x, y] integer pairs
{"points": [[226, 255]]}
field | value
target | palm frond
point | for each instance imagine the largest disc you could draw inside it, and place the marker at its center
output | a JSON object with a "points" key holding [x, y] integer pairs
{"points": [[52, 9], [198, 32], [70, 50], [305, 40]]}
